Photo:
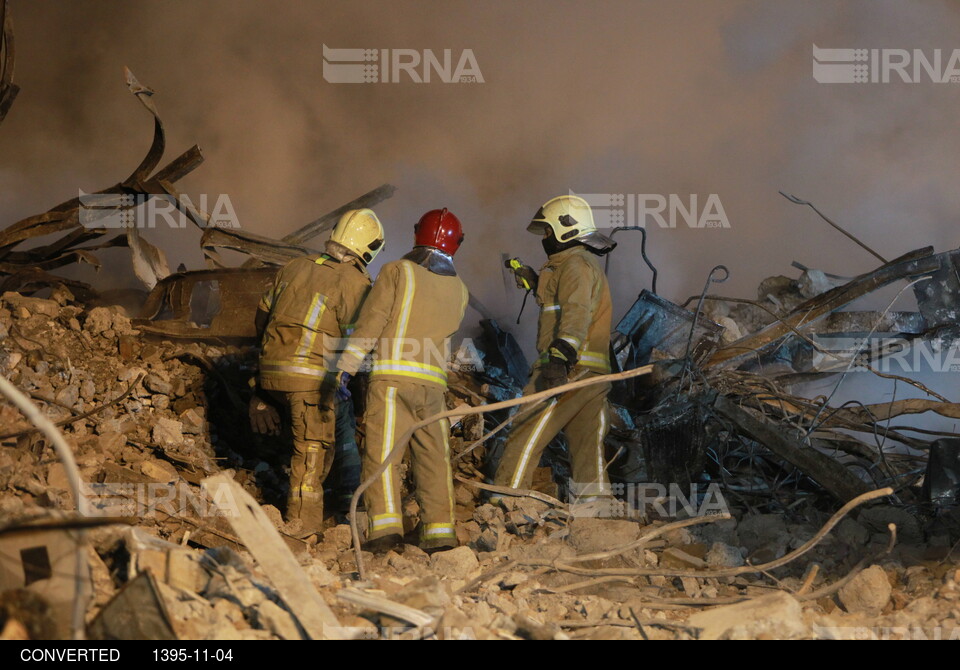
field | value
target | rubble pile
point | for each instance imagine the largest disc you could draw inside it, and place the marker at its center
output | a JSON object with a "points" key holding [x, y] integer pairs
{"points": [[540, 569], [832, 523]]}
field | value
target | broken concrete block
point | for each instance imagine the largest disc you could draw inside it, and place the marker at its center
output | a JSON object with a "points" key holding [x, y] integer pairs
{"points": [[111, 442], [455, 625], [777, 616], [62, 295], [868, 592], [459, 563], [99, 320], [159, 471], [154, 561], [488, 540], [589, 535], [193, 423], [428, 594], [48, 308], [464, 495], [156, 384], [88, 389], [57, 477], [274, 515], [469, 533], [68, 395], [168, 433], [185, 572], [277, 620], [340, 535], [320, 576], [723, 555], [231, 611]]}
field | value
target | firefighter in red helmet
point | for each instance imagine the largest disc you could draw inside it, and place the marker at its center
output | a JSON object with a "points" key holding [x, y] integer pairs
{"points": [[414, 308]]}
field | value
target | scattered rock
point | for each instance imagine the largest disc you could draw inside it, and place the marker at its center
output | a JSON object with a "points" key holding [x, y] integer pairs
{"points": [[57, 477], [159, 471], [776, 616], [278, 621], [868, 592], [155, 384], [459, 563], [724, 556], [99, 320], [168, 433], [592, 535]]}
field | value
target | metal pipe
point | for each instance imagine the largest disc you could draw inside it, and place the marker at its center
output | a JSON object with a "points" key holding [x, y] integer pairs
{"points": [[643, 253]]}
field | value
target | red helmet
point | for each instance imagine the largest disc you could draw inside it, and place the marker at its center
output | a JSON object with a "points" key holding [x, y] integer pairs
{"points": [[439, 229]]}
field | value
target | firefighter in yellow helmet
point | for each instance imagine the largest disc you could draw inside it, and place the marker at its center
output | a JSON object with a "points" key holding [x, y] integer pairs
{"points": [[573, 340], [314, 301], [414, 309]]}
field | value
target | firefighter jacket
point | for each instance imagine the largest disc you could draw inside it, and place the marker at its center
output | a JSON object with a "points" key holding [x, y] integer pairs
{"points": [[408, 318], [575, 306], [313, 303]]}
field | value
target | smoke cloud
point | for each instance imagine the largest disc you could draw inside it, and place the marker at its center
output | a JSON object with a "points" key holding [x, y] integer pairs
{"points": [[685, 97]]}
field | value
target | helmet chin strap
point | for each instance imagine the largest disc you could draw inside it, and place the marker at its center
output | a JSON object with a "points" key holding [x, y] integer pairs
{"points": [[551, 245]]}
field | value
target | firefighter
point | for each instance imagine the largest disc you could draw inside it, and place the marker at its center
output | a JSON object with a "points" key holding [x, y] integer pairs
{"points": [[313, 302], [415, 307], [573, 341]]}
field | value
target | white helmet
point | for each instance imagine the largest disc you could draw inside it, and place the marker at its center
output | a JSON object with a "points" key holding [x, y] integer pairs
{"points": [[360, 231], [570, 218]]}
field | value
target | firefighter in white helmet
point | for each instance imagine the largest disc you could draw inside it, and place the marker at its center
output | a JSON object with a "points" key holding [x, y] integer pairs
{"points": [[314, 301], [573, 340]]}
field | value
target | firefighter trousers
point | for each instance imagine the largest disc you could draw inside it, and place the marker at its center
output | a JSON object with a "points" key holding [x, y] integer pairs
{"points": [[583, 416], [313, 421], [392, 408]]}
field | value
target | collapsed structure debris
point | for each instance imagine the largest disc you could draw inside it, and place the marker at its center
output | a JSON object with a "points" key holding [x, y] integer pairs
{"points": [[8, 90], [152, 408]]}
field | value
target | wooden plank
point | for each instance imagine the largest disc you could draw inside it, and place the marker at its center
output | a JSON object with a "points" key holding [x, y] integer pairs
{"points": [[370, 601], [257, 532]]}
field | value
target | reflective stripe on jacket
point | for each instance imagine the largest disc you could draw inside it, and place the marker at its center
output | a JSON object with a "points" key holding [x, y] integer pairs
{"points": [[409, 318], [575, 306], [313, 302]]}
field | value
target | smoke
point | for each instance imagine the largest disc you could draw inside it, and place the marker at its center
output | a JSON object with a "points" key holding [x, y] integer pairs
{"points": [[687, 97]]}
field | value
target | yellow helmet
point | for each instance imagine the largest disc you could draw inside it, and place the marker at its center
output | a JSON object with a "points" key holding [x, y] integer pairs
{"points": [[360, 231], [570, 218]]}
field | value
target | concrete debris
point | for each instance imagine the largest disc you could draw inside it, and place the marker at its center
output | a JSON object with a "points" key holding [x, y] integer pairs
{"points": [[459, 563], [868, 592], [776, 616]]}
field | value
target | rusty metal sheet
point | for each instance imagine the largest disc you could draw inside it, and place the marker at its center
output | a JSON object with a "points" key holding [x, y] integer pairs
{"points": [[329, 220], [206, 304], [149, 263], [263, 249]]}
